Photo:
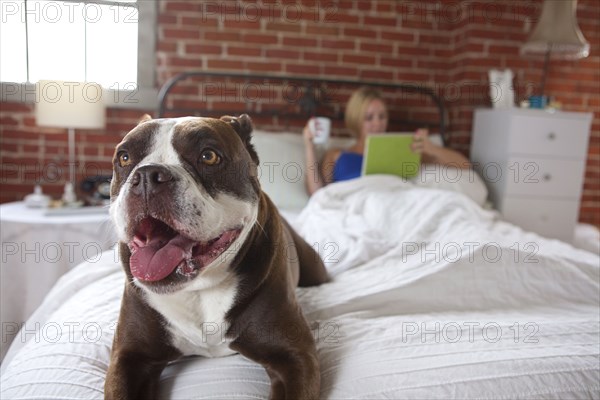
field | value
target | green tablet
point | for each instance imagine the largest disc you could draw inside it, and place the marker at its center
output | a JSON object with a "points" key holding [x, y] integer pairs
{"points": [[390, 154]]}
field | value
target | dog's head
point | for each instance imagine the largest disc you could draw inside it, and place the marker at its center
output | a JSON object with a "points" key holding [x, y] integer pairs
{"points": [[184, 196]]}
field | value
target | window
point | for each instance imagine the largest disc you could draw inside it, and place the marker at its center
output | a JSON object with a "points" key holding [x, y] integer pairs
{"points": [[106, 41]]}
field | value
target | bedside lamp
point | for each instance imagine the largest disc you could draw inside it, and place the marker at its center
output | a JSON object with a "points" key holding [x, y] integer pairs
{"points": [[71, 105], [557, 35]]}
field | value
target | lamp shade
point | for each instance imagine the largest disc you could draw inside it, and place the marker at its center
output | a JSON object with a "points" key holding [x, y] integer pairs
{"points": [[557, 32], [69, 105]]}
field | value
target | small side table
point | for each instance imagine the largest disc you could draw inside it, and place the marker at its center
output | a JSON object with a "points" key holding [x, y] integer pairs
{"points": [[37, 249]]}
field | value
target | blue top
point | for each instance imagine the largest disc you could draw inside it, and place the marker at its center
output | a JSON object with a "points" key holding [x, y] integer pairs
{"points": [[347, 166]]}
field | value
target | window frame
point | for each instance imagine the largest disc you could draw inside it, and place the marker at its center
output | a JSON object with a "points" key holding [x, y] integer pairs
{"points": [[144, 97]]}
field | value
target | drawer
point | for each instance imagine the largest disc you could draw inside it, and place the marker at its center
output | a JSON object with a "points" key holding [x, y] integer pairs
{"points": [[547, 217], [529, 176], [551, 136]]}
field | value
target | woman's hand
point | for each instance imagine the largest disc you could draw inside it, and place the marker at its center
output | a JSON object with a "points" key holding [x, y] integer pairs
{"points": [[421, 143], [431, 153], [313, 179], [308, 134]]}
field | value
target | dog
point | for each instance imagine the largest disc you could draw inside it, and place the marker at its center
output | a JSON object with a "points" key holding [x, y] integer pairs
{"points": [[211, 266]]}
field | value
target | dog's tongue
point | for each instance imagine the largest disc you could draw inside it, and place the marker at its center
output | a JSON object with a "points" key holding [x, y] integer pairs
{"points": [[157, 258]]}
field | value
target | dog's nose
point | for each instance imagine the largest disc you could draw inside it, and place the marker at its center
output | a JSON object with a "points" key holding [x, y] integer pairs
{"points": [[151, 180]]}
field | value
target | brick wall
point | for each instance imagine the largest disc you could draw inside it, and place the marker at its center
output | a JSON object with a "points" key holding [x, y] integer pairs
{"points": [[449, 45]]}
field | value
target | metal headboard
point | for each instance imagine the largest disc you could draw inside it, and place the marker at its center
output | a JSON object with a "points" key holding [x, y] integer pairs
{"points": [[314, 96]]}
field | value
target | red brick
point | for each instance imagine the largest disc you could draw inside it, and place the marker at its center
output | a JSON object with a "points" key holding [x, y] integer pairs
{"points": [[322, 30], [338, 44], [357, 59], [224, 64], [172, 33], [15, 107], [199, 22], [413, 50], [263, 66], [185, 89], [182, 6], [339, 71], [381, 21], [184, 62], [222, 37], [260, 39], [363, 33], [232, 24], [384, 7], [417, 24], [486, 34], [320, 57], [244, 51], [8, 121], [303, 69], [337, 17], [121, 113], [92, 151], [284, 27], [495, 49], [227, 106], [168, 47], [283, 54], [364, 5], [167, 19], [403, 62], [345, 4], [299, 42], [432, 65], [203, 49], [190, 104], [412, 76], [18, 134], [377, 75], [398, 36], [437, 39], [102, 137], [376, 48]]}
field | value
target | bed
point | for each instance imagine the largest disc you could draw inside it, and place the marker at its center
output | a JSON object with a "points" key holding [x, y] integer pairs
{"points": [[432, 294]]}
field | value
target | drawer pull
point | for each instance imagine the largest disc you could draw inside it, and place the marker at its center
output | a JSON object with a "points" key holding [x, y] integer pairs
{"points": [[547, 177], [551, 136]]}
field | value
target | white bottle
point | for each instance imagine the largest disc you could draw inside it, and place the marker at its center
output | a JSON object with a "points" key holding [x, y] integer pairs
{"points": [[37, 199], [69, 196]]}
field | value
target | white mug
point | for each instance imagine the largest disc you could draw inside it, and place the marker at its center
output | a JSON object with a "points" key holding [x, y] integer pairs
{"points": [[320, 128]]}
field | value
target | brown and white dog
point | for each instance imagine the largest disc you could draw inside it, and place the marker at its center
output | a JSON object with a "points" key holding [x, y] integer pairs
{"points": [[211, 266]]}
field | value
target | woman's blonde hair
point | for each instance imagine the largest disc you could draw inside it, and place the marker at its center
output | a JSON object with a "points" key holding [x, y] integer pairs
{"points": [[357, 106]]}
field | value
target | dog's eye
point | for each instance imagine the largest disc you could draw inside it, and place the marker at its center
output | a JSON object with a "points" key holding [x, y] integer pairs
{"points": [[210, 157], [124, 159]]}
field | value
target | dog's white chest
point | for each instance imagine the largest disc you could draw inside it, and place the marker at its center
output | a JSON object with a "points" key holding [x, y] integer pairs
{"points": [[196, 319]]}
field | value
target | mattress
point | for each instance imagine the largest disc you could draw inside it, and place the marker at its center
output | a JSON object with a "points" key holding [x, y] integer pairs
{"points": [[431, 297]]}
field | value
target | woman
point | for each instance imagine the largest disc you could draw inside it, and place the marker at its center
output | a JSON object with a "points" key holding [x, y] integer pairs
{"points": [[366, 113]]}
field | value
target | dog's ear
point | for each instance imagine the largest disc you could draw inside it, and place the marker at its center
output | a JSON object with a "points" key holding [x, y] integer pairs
{"points": [[145, 117], [243, 127]]}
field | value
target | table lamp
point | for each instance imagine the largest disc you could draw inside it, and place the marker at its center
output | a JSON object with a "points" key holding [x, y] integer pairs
{"points": [[71, 105], [557, 35]]}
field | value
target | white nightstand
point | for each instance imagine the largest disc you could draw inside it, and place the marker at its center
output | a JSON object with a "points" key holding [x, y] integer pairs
{"points": [[37, 249], [533, 162]]}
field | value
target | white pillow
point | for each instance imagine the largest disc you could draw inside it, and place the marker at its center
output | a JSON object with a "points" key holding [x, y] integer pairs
{"points": [[465, 181], [283, 168]]}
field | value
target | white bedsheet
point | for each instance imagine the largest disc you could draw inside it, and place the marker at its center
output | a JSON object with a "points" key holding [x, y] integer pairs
{"points": [[431, 297]]}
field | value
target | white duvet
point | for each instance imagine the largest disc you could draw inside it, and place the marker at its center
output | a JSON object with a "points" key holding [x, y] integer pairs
{"points": [[431, 297]]}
